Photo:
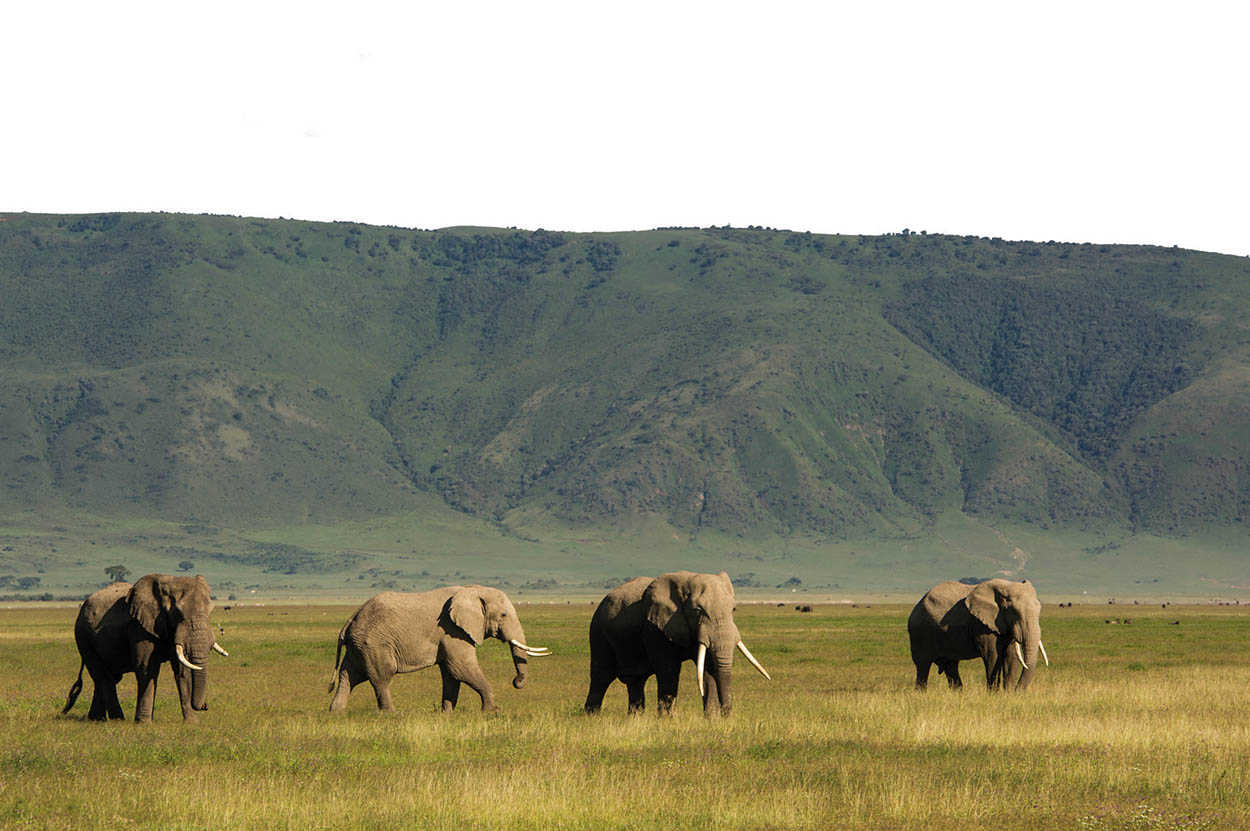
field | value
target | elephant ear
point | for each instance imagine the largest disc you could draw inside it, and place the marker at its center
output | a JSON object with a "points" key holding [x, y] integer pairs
{"points": [[664, 598], [982, 602], [468, 611], [149, 604]]}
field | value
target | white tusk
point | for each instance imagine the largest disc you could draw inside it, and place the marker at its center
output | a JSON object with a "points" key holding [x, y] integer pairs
{"points": [[747, 654], [182, 657], [1044, 658], [535, 651], [217, 648], [698, 666], [1020, 654]]}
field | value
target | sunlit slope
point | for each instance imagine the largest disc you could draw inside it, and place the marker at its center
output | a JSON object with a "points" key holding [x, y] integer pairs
{"points": [[738, 381]]}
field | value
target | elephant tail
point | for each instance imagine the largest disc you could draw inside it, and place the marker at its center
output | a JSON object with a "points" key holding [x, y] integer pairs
{"points": [[74, 690]]}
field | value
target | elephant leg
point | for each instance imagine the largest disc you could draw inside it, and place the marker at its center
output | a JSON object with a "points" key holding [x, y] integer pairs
{"points": [[99, 703], [145, 698], [636, 691], [950, 669], [111, 702], [350, 677], [382, 691], [459, 660], [922, 672], [99, 695], [451, 689], [104, 703], [182, 679], [666, 682], [476, 679], [600, 679], [994, 675], [991, 658], [378, 668]]}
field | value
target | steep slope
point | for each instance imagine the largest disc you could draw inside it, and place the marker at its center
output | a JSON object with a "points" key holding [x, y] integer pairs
{"points": [[747, 382]]}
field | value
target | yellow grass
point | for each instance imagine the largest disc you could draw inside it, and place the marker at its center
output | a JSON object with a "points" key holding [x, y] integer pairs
{"points": [[1135, 726]]}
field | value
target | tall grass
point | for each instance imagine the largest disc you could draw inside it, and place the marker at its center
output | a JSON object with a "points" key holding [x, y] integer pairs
{"points": [[1139, 726]]}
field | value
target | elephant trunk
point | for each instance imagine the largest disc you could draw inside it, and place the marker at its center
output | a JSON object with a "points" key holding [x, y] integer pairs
{"points": [[198, 643], [199, 689], [717, 642], [1031, 643], [722, 670], [516, 642]]}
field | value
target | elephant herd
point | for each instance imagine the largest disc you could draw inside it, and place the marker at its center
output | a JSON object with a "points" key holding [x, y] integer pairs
{"points": [[644, 627]]}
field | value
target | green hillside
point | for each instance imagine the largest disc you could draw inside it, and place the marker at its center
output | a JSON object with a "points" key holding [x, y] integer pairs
{"points": [[339, 406]]}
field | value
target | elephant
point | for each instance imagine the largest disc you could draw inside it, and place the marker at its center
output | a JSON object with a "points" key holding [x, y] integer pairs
{"points": [[397, 632], [955, 621], [649, 626], [135, 628]]}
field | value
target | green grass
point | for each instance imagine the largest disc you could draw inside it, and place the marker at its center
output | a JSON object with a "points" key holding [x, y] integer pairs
{"points": [[1137, 725]]}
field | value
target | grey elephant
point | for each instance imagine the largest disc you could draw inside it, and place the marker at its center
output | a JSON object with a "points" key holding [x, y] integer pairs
{"points": [[397, 632], [135, 628], [649, 626], [997, 621]]}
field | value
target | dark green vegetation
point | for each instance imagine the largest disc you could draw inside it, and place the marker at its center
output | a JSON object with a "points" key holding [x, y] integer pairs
{"points": [[293, 398], [1134, 726]]}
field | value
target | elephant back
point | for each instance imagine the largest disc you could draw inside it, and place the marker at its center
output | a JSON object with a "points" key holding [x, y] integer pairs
{"points": [[942, 602], [622, 610], [108, 602]]}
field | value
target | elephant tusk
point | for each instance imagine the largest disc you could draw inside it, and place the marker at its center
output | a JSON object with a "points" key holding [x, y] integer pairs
{"points": [[534, 651], [1044, 658], [1020, 654], [182, 658], [698, 666], [747, 654], [217, 648]]}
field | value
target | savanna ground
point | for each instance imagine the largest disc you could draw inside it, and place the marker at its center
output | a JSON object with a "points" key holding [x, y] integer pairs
{"points": [[1141, 725]]}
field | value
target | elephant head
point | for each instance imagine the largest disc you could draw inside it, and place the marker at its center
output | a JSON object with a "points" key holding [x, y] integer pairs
{"points": [[1012, 612], [695, 612], [174, 611], [482, 613]]}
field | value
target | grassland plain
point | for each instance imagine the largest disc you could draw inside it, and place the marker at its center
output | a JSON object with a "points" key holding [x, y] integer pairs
{"points": [[1135, 725]]}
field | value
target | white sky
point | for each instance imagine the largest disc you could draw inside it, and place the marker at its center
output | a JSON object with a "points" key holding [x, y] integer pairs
{"points": [[1080, 121]]}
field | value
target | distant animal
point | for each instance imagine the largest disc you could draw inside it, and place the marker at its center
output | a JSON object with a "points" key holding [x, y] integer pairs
{"points": [[803, 608], [125, 628], [398, 632], [651, 626], [954, 622]]}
